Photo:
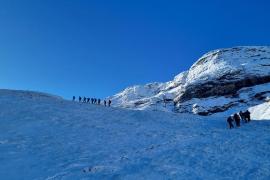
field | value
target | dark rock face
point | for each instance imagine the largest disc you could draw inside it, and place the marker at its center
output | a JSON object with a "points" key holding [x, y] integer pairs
{"points": [[261, 96], [220, 88], [217, 109]]}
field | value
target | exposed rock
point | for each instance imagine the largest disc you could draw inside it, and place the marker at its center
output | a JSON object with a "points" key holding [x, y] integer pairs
{"points": [[219, 88], [220, 78]]}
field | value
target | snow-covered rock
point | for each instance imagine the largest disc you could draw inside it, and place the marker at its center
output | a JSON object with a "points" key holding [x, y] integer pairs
{"points": [[213, 84]]}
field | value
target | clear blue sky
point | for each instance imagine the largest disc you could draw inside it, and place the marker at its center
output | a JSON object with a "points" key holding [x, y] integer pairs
{"points": [[97, 47]]}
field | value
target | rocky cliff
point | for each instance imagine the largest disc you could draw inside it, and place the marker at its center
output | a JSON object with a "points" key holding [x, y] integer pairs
{"points": [[218, 81]]}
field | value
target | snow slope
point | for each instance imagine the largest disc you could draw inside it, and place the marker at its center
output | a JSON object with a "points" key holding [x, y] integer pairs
{"points": [[46, 137], [217, 75], [261, 111]]}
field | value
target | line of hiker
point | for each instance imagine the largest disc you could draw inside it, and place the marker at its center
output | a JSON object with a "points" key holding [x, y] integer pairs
{"points": [[237, 117], [92, 101]]}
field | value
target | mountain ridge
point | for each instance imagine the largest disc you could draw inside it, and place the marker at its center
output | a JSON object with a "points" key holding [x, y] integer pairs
{"points": [[221, 72]]}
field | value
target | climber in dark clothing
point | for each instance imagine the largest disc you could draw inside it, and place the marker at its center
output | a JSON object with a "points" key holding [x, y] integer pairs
{"points": [[247, 116], [84, 99], [230, 122], [237, 119], [109, 103], [92, 100], [88, 99], [99, 101], [242, 115], [73, 98], [105, 103], [80, 98], [95, 101]]}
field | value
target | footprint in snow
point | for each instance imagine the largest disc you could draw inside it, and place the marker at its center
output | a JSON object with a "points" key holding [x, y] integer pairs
{"points": [[3, 142], [98, 169], [123, 158]]}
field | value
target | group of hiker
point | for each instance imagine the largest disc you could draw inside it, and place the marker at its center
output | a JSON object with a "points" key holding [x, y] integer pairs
{"points": [[93, 100], [237, 117]]}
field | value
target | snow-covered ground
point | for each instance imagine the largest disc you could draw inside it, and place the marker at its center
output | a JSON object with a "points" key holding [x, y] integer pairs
{"points": [[45, 137]]}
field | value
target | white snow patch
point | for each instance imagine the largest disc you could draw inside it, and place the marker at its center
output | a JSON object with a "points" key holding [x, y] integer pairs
{"points": [[260, 112]]}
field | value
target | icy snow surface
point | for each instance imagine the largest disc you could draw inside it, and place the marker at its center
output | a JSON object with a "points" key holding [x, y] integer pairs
{"points": [[44, 137]]}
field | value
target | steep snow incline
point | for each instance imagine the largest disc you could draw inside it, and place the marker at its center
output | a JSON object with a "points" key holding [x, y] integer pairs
{"points": [[217, 75], [235, 62], [138, 95], [45, 137], [260, 112]]}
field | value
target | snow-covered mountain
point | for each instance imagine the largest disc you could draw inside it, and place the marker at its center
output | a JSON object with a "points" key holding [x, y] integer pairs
{"points": [[46, 137], [43, 136], [218, 81]]}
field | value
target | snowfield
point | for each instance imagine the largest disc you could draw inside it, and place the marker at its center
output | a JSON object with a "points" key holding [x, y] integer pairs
{"points": [[46, 137]]}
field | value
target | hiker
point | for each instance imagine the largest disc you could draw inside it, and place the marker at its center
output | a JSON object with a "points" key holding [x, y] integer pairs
{"points": [[73, 98], [84, 99], [99, 101], [247, 115], [95, 101], [242, 115], [105, 103], [80, 98], [230, 122], [92, 100], [237, 119], [109, 103], [88, 100]]}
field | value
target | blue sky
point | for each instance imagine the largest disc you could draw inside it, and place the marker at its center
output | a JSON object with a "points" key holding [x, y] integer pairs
{"points": [[97, 48]]}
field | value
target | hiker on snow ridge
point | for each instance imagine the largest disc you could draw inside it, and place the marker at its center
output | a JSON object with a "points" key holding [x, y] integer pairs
{"points": [[242, 115], [247, 115], [230, 122], [237, 119], [109, 103]]}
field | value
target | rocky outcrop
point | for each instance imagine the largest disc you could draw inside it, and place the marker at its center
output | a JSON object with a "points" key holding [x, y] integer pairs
{"points": [[217, 78], [220, 88]]}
